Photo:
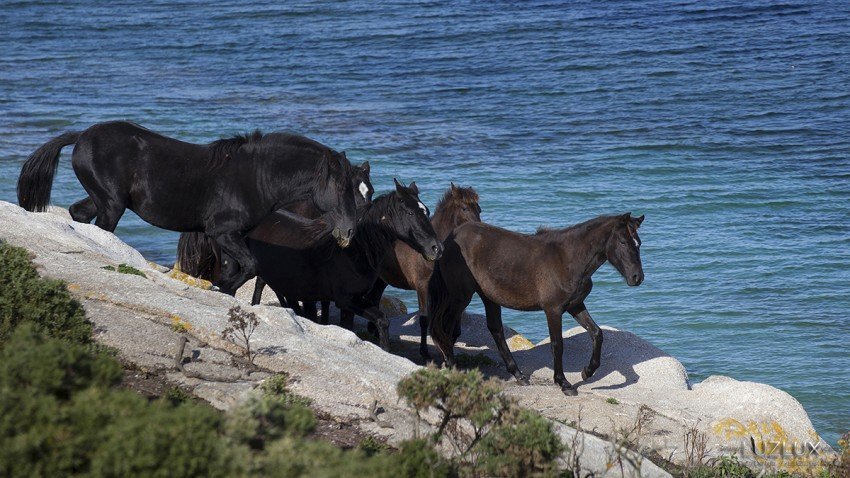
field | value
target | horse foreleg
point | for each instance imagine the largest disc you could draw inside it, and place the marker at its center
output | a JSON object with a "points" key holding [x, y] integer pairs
{"points": [[234, 275], [326, 305], [309, 308], [497, 330], [374, 315], [555, 323], [583, 318], [83, 210], [259, 284], [422, 295]]}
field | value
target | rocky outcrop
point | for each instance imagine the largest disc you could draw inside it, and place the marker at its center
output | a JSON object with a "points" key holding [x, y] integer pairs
{"points": [[640, 398]]}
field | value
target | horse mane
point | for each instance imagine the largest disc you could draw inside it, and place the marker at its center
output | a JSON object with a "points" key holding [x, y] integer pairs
{"points": [[462, 194], [580, 228], [226, 148]]}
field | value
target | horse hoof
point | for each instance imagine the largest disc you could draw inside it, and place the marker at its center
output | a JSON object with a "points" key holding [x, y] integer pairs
{"points": [[569, 391], [523, 380]]}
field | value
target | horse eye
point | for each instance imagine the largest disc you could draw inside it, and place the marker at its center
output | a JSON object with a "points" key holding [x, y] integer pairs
{"points": [[465, 208], [409, 213]]}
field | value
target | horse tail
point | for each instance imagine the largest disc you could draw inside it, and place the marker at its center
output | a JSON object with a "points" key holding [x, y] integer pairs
{"points": [[198, 256], [36, 179], [438, 309]]}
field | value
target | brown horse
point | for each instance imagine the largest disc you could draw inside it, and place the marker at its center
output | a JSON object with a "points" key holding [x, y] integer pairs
{"points": [[406, 269], [550, 271]]}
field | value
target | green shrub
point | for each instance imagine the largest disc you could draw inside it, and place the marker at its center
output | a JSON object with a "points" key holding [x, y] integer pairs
{"points": [[26, 297], [727, 467], [370, 446], [523, 444], [264, 418], [276, 386], [506, 440], [125, 269], [158, 440], [290, 458], [419, 459], [177, 396], [455, 393], [61, 415], [31, 363]]}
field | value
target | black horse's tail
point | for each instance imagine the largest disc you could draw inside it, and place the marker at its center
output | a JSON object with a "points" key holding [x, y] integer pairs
{"points": [[36, 178], [198, 256], [439, 311]]}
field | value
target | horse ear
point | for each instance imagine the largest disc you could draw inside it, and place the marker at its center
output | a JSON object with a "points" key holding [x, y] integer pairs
{"points": [[398, 186], [365, 167], [638, 221], [625, 218], [454, 188], [414, 188]]}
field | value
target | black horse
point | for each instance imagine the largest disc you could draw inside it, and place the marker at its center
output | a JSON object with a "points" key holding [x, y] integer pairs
{"points": [[344, 275], [198, 255], [363, 191], [550, 270], [223, 189]]}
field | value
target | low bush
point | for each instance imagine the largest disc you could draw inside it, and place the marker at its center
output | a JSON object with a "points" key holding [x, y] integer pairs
{"points": [[26, 297], [61, 413], [504, 440]]}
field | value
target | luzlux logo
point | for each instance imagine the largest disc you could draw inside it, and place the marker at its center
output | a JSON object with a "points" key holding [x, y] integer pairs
{"points": [[781, 448]]}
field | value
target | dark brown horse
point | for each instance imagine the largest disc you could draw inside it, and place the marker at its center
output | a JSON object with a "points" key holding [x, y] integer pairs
{"points": [[406, 269], [549, 271]]}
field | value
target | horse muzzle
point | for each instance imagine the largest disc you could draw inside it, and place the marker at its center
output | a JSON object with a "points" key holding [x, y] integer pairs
{"points": [[434, 253], [635, 279], [342, 238]]}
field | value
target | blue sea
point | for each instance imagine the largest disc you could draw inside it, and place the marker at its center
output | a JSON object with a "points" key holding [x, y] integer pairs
{"points": [[727, 126]]}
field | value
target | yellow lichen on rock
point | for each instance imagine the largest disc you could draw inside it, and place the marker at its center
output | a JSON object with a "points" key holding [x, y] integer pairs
{"points": [[519, 342], [178, 324], [770, 445], [185, 278]]}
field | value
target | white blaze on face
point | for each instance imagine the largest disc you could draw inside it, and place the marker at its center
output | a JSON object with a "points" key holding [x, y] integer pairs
{"points": [[637, 244], [424, 209], [364, 189]]}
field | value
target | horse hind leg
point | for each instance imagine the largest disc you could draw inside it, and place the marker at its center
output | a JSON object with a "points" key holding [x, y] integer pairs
{"points": [[109, 212], [497, 330], [83, 210]]}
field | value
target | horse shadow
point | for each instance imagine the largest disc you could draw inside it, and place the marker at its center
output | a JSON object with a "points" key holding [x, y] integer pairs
{"points": [[625, 356]]}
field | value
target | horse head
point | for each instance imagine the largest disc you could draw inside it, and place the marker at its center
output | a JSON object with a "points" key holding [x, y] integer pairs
{"points": [[623, 248], [337, 196], [408, 217], [362, 183]]}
